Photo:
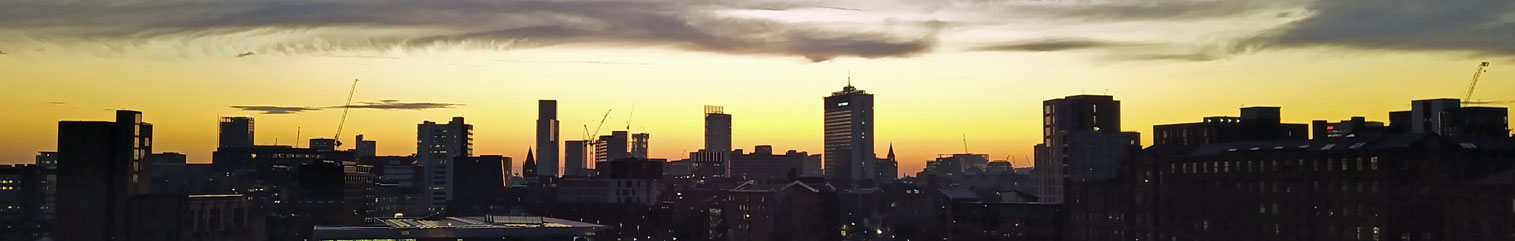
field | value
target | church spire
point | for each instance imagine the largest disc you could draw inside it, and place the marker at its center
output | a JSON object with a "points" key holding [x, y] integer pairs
{"points": [[891, 151], [529, 169]]}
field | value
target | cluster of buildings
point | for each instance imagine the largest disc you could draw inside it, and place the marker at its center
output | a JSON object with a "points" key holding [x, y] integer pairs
{"points": [[1439, 171]]}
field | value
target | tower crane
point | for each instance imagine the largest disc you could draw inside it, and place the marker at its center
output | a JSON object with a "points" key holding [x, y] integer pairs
{"points": [[1467, 98], [345, 108]]}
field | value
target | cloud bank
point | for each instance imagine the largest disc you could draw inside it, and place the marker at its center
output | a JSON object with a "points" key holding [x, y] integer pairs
{"points": [[380, 105]]}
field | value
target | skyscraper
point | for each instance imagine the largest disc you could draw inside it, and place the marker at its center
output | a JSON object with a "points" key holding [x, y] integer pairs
{"points": [[717, 129], [102, 171], [849, 137], [436, 147], [547, 138], [575, 158], [236, 131]]}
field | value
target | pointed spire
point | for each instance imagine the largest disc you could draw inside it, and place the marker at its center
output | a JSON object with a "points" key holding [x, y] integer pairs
{"points": [[849, 77], [529, 158], [891, 151], [529, 169]]}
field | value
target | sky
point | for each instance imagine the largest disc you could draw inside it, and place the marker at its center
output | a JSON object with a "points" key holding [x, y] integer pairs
{"points": [[948, 76]]}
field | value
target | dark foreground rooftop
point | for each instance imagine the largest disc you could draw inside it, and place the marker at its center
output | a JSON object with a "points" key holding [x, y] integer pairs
{"points": [[485, 227]]}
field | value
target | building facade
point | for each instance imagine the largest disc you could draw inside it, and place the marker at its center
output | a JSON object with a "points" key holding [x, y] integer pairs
{"points": [[547, 138], [436, 147], [849, 137], [102, 173]]}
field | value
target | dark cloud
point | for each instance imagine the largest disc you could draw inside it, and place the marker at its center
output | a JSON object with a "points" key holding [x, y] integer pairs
{"points": [[1483, 26], [1055, 44], [276, 110], [390, 24], [245, 54], [397, 105], [1181, 57], [56, 103], [570, 62], [1112, 10], [2, 52]]}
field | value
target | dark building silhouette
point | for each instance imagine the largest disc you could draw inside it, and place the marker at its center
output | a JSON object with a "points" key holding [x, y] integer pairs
{"points": [[1255, 124], [547, 138], [323, 144], [1356, 126], [481, 186], [529, 168], [640, 143], [20, 194], [887, 168], [849, 137], [612, 147], [793, 211], [436, 147], [102, 172], [236, 131], [576, 158], [365, 148], [1447, 117], [763, 164], [710, 164], [1382, 187], [717, 129], [1077, 132], [47, 207]]}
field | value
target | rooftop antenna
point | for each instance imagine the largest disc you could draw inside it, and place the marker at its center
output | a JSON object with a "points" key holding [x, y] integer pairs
{"points": [[849, 77], [297, 137]]}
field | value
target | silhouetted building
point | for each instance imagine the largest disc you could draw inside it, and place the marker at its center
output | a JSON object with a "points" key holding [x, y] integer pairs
{"points": [[525, 228], [365, 148], [888, 168], [1358, 125], [1447, 117], [529, 168], [849, 137], [102, 170], [639, 145], [1382, 187], [1075, 129], [547, 138], [576, 159], [481, 185], [47, 207], [1007, 221], [436, 147], [171, 173], [708, 164], [323, 144], [628, 180], [236, 131], [1255, 124], [793, 211], [763, 164], [611, 147], [717, 129], [20, 194]]}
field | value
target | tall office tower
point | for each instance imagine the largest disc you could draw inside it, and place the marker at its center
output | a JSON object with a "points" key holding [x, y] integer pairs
{"points": [[1447, 117], [547, 138], [611, 147], [1063, 120], [365, 148], [639, 145], [47, 164], [436, 146], [102, 171], [575, 156], [717, 129], [236, 131], [849, 137]]}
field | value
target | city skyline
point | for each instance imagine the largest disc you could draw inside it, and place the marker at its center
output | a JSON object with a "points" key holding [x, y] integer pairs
{"points": [[911, 162], [942, 70]]}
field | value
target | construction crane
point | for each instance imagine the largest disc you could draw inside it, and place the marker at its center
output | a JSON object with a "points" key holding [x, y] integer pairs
{"points": [[588, 135], [1467, 98], [345, 108]]}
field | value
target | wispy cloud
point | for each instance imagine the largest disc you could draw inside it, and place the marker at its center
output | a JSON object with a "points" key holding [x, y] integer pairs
{"points": [[1056, 44], [275, 110], [397, 105], [331, 25], [56, 103], [245, 54], [570, 62], [1481, 26]]}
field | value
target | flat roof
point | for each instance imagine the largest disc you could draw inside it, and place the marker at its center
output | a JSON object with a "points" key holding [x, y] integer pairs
{"points": [[460, 227]]}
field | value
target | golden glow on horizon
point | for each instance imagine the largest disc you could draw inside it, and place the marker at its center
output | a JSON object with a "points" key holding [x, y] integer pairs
{"points": [[924, 104]]}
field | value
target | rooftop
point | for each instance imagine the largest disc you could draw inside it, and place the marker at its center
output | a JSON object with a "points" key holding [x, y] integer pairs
{"points": [[461, 227]]}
